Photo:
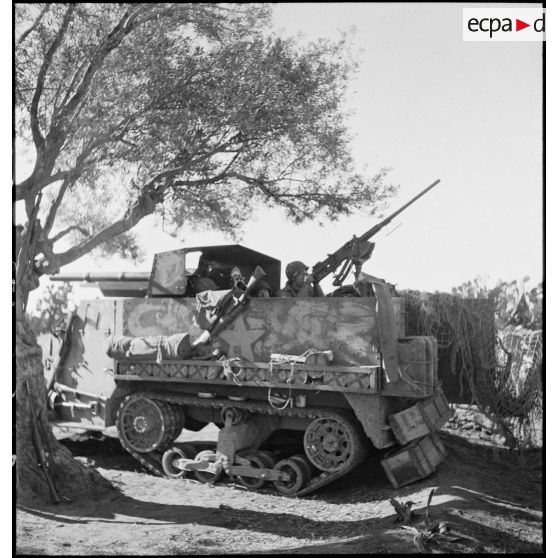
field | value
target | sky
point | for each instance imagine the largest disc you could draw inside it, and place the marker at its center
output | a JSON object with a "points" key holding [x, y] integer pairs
{"points": [[429, 106]]}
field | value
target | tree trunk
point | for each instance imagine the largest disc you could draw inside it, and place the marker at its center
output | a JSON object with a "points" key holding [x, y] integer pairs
{"points": [[70, 477]]}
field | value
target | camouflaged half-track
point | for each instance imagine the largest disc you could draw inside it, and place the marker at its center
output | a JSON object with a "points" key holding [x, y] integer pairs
{"points": [[304, 387]]}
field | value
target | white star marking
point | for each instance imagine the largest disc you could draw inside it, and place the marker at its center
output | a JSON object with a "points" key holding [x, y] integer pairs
{"points": [[240, 339]]}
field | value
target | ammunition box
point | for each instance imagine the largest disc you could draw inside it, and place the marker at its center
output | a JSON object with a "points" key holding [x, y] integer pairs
{"points": [[415, 461], [421, 419]]}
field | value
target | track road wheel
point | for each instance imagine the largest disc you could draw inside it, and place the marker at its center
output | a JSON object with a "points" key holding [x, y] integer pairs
{"points": [[305, 464], [330, 443], [258, 460], [189, 451], [167, 462], [268, 458], [143, 423], [200, 474], [298, 477]]}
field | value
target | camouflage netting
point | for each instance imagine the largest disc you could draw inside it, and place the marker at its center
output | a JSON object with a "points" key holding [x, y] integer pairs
{"points": [[501, 368]]}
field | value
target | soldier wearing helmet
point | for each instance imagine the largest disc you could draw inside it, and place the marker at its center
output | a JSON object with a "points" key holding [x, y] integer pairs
{"points": [[263, 290], [299, 282]]}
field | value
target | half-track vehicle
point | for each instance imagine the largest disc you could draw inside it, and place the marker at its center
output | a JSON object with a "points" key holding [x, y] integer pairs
{"points": [[300, 388]]}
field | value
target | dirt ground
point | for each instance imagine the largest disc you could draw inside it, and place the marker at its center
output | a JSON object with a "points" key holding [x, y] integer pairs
{"points": [[490, 497]]}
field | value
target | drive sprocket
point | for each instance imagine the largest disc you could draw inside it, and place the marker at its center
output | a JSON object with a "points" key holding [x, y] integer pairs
{"points": [[332, 443]]}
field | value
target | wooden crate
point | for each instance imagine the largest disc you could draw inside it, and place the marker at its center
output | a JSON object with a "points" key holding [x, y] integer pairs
{"points": [[415, 461], [409, 425], [433, 450], [422, 418]]}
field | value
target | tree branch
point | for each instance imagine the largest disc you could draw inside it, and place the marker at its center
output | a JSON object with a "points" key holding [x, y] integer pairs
{"points": [[107, 45], [144, 206], [23, 189], [284, 197], [25, 34], [26, 252], [54, 207], [217, 178], [35, 130], [72, 86], [260, 184], [169, 173], [159, 14], [63, 233]]}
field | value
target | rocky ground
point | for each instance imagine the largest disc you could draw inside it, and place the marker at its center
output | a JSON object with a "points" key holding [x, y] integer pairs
{"points": [[490, 497]]}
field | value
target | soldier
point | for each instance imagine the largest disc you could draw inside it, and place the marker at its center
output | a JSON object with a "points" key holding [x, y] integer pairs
{"points": [[238, 282], [299, 282], [263, 290]]}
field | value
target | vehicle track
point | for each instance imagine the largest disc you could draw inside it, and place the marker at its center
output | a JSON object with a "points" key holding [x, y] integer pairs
{"points": [[152, 460]]}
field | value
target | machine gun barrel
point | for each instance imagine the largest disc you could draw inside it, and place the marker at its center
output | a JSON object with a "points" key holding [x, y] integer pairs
{"points": [[357, 249], [379, 226]]}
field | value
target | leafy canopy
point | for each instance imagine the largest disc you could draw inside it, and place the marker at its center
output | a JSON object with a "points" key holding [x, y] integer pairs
{"points": [[194, 111]]}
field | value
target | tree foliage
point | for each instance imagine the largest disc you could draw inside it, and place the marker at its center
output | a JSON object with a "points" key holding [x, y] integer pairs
{"points": [[193, 111], [51, 309]]}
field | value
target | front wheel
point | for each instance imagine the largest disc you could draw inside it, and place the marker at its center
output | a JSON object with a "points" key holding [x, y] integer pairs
{"points": [[170, 456]]}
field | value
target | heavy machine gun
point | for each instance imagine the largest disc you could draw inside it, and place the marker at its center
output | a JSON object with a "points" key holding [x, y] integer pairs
{"points": [[357, 250]]}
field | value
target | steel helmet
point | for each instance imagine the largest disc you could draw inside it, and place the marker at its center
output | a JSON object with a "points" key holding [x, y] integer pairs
{"points": [[263, 286], [293, 268]]}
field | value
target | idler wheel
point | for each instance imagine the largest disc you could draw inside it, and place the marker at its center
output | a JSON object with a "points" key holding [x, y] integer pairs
{"points": [[259, 460], [176, 453], [143, 424], [331, 442], [200, 474], [297, 473]]}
